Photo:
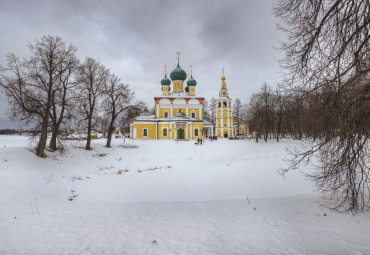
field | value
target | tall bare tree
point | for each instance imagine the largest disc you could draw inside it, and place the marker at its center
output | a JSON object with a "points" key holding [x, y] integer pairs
{"points": [[328, 59], [212, 107], [117, 100], [62, 99], [92, 78], [237, 112], [30, 84]]}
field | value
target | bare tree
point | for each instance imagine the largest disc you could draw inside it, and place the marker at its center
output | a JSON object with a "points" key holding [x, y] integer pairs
{"points": [[266, 100], [237, 111], [92, 78], [212, 111], [117, 99], [132, 112], [328, 60], [29, 84], [279, 111], [206, 114], [62, 99]]}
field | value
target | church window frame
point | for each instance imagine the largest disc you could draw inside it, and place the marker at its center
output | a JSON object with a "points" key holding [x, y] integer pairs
{"points": [[166, 114], [196, 132], [165, 132], [219, 104], [193, 114], [145, 132], [225, 104]]}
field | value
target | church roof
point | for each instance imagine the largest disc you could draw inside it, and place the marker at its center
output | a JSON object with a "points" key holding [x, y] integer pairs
{"points": [[165, 81], [178, 95], [179, 116], [178, 74]]}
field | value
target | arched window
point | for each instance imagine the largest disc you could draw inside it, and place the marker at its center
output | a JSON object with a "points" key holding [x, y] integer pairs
{"points": [[219, 104], [145, 132], [225, 104]]}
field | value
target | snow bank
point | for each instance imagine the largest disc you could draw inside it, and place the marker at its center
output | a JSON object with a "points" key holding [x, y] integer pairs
{"points": [[163, 197]]}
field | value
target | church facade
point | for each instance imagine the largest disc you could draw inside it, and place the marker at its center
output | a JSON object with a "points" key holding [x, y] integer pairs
{"points": [[178, 113]]}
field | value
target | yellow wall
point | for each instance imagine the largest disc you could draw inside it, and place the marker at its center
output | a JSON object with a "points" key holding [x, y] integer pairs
{"points": [[160, 131], [170, 131], [192, 90], [165, 89], [139, 130], [162, 110], [199, 127], [175, 110], [178, 85], [197, 112]]}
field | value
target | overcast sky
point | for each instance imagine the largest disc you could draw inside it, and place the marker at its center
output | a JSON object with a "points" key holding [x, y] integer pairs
{"points": [[136, 38]]}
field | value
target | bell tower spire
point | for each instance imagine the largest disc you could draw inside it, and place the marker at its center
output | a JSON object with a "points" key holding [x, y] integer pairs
{"points": [[178, 57]]}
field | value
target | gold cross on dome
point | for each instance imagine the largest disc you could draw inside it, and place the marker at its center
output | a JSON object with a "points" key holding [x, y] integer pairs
{"points": [[191, 70], [165, 69], [178, 57], [223, 73]]}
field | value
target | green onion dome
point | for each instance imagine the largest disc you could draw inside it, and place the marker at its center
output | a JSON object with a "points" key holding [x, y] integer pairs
{"points": [[187, 89], [191, 81], [165, 81], [178, 74]]}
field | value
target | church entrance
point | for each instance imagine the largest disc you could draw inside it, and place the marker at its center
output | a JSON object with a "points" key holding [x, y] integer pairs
{"points": [[180, 133], [225, 135]]}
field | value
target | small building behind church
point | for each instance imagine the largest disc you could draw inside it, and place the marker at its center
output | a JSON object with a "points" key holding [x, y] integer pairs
{"points": [[241, 127]]}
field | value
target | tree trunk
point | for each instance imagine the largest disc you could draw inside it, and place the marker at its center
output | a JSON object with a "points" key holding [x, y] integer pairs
{"points": [[53, 140], [88, 138], [43, 138], [110, 132]]}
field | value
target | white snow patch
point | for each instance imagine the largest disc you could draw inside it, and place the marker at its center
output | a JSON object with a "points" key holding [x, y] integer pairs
{"points": [[163, 197]]}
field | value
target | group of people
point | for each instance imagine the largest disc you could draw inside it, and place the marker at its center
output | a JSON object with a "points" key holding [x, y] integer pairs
{"points": [[200, 141], [213, 137]]}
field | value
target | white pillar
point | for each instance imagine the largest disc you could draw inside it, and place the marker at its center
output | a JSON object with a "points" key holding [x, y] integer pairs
{"points": [[191, 130]]}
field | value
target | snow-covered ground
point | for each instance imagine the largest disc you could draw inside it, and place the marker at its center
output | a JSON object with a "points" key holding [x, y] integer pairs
{"points": [[163, 197]]}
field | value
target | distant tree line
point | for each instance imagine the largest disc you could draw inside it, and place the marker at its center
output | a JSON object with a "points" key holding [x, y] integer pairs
{"points": [[53, 90], [7, 131]]}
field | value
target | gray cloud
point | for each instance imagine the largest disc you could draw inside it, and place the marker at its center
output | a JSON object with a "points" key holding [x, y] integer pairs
{"points": [[136, 38]]}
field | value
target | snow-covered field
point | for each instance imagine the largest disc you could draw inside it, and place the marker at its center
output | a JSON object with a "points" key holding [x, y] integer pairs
{"points": [[163, 197]]}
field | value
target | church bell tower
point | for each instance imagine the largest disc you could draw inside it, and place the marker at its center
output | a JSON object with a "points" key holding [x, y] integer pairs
{"points": [[224, 118]]}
